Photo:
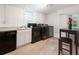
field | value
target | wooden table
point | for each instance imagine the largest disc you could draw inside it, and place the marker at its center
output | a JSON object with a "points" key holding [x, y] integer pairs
{"points": [[74, 32]]}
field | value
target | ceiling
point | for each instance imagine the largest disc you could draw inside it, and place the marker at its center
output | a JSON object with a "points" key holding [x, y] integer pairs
{"points": [[44, 8]]}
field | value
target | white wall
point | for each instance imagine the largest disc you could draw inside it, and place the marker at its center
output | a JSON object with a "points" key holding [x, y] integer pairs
{"points": [[59, 19]]}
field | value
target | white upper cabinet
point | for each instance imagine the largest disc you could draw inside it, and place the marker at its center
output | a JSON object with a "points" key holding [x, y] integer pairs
{"points": [[10, 16], [38, 17], [2, 21], [14, 16]]}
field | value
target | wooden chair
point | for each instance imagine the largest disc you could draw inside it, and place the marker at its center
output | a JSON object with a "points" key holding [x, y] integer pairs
{"points": [[65, 40]]}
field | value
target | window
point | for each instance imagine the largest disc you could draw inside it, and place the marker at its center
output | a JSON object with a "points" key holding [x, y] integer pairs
{"points": [[28, 17]]}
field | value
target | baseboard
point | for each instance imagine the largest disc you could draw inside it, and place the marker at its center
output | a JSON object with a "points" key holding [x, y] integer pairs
{"points": [[23, 45]]}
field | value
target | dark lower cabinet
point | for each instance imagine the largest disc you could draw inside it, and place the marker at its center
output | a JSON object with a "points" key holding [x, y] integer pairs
{"points": [[44, 32], [50, 31], [7, 41], [36, 34], [41, 33]]}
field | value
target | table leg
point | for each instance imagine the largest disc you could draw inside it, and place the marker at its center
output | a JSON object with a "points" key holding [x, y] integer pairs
{"points": [[76, 51], [76, 47]]}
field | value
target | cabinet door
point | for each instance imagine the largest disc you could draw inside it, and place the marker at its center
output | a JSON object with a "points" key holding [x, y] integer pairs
{"points": [[14, 16], [38, 18], [20, 38], [11, 36], [23, 37], [7, 41], [27, 36], [2, 20], [3, 43]]}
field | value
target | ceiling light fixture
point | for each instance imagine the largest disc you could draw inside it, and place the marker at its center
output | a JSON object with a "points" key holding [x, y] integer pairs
{"points": [[49, 5]]}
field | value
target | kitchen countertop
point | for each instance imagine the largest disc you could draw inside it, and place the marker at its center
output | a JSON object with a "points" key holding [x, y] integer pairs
{"points": [[12, 28]]}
